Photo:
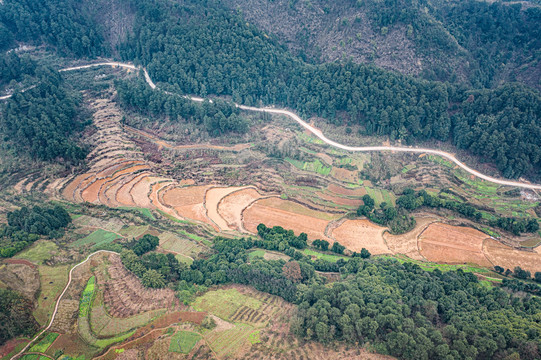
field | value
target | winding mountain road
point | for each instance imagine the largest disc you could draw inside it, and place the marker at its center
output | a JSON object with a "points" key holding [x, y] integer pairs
{"points": [[321, 136]]}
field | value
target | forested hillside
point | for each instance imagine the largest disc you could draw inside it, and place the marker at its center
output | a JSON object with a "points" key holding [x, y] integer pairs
{"points": [[206, 49], [476, 42], [41, 121]]}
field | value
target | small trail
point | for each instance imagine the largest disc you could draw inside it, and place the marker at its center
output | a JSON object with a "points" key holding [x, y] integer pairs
{"points": [[16, 356], [318, 132]]}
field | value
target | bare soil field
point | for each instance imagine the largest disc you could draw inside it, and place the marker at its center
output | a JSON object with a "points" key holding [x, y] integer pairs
{"points": [[508, 258], [123, 195], [358, 192], [289, 215], [340, 200], [343, 174], [358, 234], [212, 199], [231, 206], [187, 201], [407, 243], [141, 190], [453, 244]]}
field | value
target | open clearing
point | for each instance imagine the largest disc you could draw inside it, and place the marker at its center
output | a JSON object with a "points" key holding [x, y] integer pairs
{"points": [[358, 234], [98, 237], [453, 245], [184, 341], [52, 279]]}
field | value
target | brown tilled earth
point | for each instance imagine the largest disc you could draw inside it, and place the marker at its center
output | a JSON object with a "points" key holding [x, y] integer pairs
{"points": [[453, 245], [358, 234], [407, 243], [508, 258]]}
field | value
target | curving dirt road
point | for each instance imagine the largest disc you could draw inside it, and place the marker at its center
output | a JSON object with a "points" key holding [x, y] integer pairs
{"points": [[58, 302], [320, 135]]}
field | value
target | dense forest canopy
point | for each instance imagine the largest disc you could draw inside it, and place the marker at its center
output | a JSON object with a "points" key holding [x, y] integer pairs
{"points": [[42, 120]]}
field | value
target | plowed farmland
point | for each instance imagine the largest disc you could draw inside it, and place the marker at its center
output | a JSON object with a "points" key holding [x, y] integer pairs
{"points": [[453, 244], [277, 212], [358, 234]]}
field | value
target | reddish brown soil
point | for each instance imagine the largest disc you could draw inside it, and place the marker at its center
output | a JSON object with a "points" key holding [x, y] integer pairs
{"points": [[508, 258], [213, 198], [231, 206], [340, 200], [22, 262], [358, 234], [10, 345], [453, 245], [187, 201], [359, 192], [268, 212], [407, 243]]}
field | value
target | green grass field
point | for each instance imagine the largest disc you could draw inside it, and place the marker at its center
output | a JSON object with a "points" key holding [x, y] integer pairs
{"points": [[430, 266], [224, 342], [39, 252], [85, 301], [323, 256], [44, 344], [224, 303], [97, 238], [134, 231], [184, 341], [52, 279]]}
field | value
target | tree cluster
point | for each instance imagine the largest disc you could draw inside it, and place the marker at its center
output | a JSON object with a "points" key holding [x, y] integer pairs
{"points": [[145, 244], [218, 117], [66, 25], [397, 218], [42, 120], [409, 313], [39, 220], [15, 316]]}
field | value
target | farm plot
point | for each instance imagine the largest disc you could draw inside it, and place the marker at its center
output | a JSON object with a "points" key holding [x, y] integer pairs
{"points": [[97, 238], [407, 243], [52, 279], [173, 243], [44, 344], [184, 341], [358, 234], [290, 215], [39, 252], [187, 201], [124, 295], [104, 325], [351, 192], [453, 244], [229, 341], [134, 231], [212, 199], [113, 224], [225, 303], [508, 258], [231, 206]]}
